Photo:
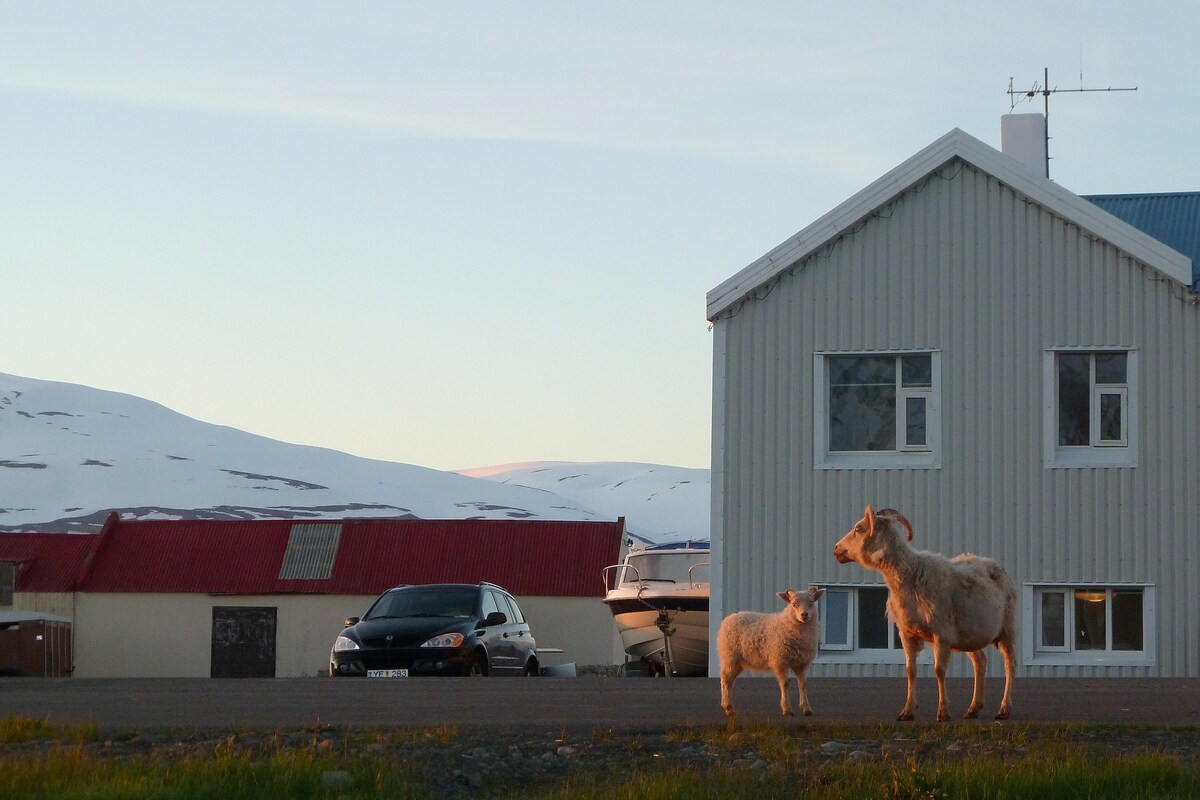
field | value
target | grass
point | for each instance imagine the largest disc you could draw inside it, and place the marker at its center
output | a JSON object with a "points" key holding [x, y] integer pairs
{"points": [[760, 761]]}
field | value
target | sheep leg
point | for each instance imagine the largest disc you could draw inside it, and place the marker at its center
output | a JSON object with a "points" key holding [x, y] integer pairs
{"points": [[979, 660], [802, 683], [781, 675], [729, 673], [912, 646], [941, 660], [1005, 646]]}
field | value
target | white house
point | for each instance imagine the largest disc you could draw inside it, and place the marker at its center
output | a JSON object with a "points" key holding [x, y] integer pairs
{"points": [[1012, 367]]}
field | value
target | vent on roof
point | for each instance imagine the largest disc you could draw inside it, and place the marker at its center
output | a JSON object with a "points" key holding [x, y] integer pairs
{"points": [[311, 550]]}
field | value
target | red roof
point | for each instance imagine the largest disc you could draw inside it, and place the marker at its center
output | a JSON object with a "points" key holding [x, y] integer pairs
{"points": [[527, 557], [46, 562]]}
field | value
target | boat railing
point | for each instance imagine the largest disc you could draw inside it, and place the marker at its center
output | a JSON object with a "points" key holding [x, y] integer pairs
{"points": [[617, 574], [621, 573]]}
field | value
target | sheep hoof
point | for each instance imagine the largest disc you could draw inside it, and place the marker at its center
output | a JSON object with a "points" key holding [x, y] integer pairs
{"points": [[943, 717], [788, 714], [1003, 714], [971, 714], [905, 717], [808, 712]]}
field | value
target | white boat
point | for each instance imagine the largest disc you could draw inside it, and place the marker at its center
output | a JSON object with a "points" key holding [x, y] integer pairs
{"points": [[658, 597]]}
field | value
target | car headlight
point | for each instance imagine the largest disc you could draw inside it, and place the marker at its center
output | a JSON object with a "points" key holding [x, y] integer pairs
{"points": [[343, 643], [445, 640]]}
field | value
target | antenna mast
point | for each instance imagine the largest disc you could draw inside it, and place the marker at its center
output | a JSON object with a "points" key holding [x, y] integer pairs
{"points": [[1045, 91]]}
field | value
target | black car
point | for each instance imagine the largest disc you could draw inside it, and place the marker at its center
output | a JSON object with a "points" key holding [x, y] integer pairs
{"points": [[437, 629]]}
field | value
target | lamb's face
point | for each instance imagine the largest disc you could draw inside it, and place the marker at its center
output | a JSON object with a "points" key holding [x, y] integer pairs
{"points": [[803, 605]]}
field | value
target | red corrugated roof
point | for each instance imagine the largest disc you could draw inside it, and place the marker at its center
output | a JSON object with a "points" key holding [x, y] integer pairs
{"points": [[527, 557], [46, 562]]}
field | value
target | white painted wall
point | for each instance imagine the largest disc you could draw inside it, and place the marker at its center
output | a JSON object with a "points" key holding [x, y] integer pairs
{"points": [[170, 635]]}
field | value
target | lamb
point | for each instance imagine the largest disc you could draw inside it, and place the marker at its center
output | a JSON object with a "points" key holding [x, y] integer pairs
{"points": [[963, 604], [781, 642]]}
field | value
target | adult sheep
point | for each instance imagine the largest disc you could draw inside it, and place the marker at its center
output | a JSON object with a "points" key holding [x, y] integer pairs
{"points": [[964, 603], [781, 642]]}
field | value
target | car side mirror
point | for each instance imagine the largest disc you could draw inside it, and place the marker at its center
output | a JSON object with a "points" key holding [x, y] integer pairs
{"points": [[350, 621], [495, 618]]}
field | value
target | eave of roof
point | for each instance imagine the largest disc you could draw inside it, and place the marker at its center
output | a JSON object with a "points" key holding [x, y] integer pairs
{"points": [[955, 144]]}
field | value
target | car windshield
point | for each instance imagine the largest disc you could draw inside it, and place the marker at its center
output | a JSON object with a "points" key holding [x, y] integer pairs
{"points": [[441, 602]]}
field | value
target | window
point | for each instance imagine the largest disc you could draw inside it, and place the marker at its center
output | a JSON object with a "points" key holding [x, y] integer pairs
{"points": [[1090, 408], [1091, 624], [876, 410], [855, 619]]}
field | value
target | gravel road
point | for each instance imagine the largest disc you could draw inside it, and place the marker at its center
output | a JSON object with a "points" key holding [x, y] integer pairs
{"points": [[584, 703]]}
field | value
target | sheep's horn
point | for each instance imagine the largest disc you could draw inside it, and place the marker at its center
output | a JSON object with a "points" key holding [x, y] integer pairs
{"points": [[904, 521]]}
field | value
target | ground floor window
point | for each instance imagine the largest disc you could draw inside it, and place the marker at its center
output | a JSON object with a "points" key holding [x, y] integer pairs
{"points": [[1089, 624], [854, 618]]}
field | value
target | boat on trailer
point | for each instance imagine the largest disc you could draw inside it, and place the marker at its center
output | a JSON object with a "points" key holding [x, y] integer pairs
{"points": [[658, 596]]}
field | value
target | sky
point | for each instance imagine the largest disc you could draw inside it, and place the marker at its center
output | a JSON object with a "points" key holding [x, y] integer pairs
{"points": [[464, 234]]}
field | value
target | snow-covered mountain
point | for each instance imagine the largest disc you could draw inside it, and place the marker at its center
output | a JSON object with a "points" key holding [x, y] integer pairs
{"points": [[665, 504], [70, 454]]}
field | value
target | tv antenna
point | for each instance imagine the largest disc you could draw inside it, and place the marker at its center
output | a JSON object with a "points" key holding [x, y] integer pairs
{"points": [[1016, 96]]}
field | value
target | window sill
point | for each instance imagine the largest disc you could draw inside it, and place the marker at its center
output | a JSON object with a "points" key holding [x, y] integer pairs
{"points": [[866, 656], [879, 461], [1085, 457], [1092, 659]]}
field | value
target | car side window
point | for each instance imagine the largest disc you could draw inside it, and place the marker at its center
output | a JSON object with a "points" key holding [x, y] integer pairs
{"points": [[516, 615], [489, 603]]}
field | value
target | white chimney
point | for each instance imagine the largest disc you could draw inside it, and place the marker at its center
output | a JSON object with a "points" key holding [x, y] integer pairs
{"points": [[1023, 136]]}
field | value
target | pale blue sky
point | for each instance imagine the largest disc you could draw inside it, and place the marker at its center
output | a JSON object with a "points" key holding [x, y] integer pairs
{"points": [[456, 235]]}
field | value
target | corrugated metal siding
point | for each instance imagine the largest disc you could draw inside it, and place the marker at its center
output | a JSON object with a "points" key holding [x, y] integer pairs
{"points": [[46, 562], [528, 557], [969, 268]]}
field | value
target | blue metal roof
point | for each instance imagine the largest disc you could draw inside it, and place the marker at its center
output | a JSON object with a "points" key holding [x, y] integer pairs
{"points": [[1172, 218]]}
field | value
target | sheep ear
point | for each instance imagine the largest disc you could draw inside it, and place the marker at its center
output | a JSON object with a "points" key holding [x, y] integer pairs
{"points": [[816, 593], [869, 516], [907, 525], [786, 596]]}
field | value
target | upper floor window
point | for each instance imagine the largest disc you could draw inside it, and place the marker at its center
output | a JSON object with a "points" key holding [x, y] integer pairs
{"points": [[1091, 409], [877, 410]]}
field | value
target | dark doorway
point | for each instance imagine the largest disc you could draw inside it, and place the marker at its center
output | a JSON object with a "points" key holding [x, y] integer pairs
{"points": [[243, 642]]}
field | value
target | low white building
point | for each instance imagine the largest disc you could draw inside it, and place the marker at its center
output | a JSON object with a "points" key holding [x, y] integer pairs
{"points": [[266, 598]]}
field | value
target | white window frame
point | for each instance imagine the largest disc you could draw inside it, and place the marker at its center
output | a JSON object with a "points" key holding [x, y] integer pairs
{"points": [[850, 653], [928, 456], [1122, 453], [1037, 654]]}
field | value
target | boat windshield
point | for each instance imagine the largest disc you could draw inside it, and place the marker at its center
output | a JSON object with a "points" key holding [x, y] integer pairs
{"points": [[670, 567]]}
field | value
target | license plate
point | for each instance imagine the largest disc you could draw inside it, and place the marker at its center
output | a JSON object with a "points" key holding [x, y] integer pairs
{"points": [[387, 673]]}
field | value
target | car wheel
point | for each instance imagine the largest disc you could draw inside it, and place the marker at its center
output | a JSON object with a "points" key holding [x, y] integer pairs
{"points": [[531, 669], [475, 666]]}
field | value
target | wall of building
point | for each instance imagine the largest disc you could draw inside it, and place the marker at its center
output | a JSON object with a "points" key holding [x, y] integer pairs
{"points": [[968, 268], [170, 635], [60, 604]]}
